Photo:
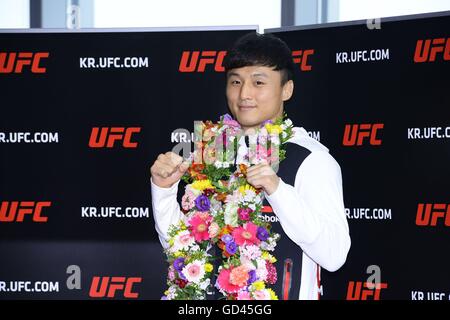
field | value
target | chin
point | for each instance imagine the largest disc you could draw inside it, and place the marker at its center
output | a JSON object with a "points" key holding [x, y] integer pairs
{"points": [[248, 122]]}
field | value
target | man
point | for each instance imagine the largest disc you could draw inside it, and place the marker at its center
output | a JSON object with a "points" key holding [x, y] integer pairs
{"points": [[306, 192]]}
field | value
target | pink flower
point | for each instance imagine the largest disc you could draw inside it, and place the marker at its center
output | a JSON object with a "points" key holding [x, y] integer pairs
{"points": [[213, 229], [232, 123], [243, 295], [188, 200], [244, 214], [239, 276], [223, 281], [261, 295], [199, 228], [171, 274], [246, 235], [185, 239], [194, 271]]}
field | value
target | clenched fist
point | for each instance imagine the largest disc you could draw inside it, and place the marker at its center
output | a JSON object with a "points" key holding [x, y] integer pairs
{"points": [[168, 169], [263, 176]]}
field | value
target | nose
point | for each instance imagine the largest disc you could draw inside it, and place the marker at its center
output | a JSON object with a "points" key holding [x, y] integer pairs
{"points": [[245, 93]]}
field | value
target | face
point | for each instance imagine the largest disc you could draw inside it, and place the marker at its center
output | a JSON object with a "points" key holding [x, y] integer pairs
{"points": [[255, 94]]}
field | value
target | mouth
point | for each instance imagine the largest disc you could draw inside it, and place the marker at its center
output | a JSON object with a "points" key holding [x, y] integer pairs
{"points": [[246, 108]]}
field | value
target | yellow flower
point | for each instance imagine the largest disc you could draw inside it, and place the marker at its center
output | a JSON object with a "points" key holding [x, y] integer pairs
{"points": [[258, 285], [202, 185], [267, 256], [273, 296], [245, 188], [166, 292], [177, 254], [208, 267], [273, 128], [182, 226]]}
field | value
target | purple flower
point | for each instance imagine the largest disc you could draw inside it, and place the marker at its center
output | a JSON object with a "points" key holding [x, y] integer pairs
{"points": [[231, 247], [202, 203], [262, 234], [164, 298], [266, 122], [226, 238], [251, 277], [229, 121], [178, 264], [226, 117], [181, 275]]}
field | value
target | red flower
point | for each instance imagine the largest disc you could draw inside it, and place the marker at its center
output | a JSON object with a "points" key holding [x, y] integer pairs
{"points": [[223, 281], [181, 283], [271, 273], [199, 228], [246, 235]]}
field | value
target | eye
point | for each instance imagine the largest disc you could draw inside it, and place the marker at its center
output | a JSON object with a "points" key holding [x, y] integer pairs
{"points": [[235, 82], [259, 83]]}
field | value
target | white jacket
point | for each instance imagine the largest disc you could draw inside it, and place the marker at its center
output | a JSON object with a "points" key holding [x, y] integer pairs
{"points": [[311, 212]]}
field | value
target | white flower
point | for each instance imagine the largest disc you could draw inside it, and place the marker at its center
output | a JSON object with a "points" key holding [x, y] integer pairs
{"points": [[182, 241], [263, 131], [275, 140], [249, 196], [196, 192], [204, 284], [261, 270], [171, 292], [216, 206], [288, 122], [247, 263], [194, 271], [250, 251], [221, 164], [270, 243], [230, 214]]}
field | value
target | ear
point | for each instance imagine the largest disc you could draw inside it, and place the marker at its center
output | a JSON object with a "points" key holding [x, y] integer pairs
{"points": [[288, 90]]}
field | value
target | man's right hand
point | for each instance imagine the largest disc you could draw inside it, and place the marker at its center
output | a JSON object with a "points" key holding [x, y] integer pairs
{"points": [[168, 169]]}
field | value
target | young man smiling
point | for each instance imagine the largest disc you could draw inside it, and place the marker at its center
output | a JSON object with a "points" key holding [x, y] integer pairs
{"points": [[305, 193]]}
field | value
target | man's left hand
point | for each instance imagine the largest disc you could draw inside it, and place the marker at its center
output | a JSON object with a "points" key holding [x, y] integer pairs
{"points": [[263, 176]]}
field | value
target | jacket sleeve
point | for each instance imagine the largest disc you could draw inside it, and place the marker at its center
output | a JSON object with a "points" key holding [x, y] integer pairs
{"points": [[312, 212], [166, 210]]}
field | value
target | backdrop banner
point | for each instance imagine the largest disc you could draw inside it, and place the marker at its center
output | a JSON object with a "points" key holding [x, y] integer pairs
{"points": [[85, 114]]}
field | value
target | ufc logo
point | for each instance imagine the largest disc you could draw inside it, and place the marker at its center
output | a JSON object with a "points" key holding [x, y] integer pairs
{"points": [[106, 137], [356, 133], [267, 209], [15, 62], [428, 214], [196, 61], [426, 50], [102, 287], [301, 58], [361, 291], [15, 211]]}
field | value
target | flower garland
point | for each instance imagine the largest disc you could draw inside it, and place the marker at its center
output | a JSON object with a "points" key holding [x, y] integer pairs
{"points": [[221, 209]]}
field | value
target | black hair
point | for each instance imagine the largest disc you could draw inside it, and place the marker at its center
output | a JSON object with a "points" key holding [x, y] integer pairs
{"points": [[254, 49]]}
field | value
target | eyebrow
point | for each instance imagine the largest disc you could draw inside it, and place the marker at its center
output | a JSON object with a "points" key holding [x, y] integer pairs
{"points": [[258, 74], [231, 74]]}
